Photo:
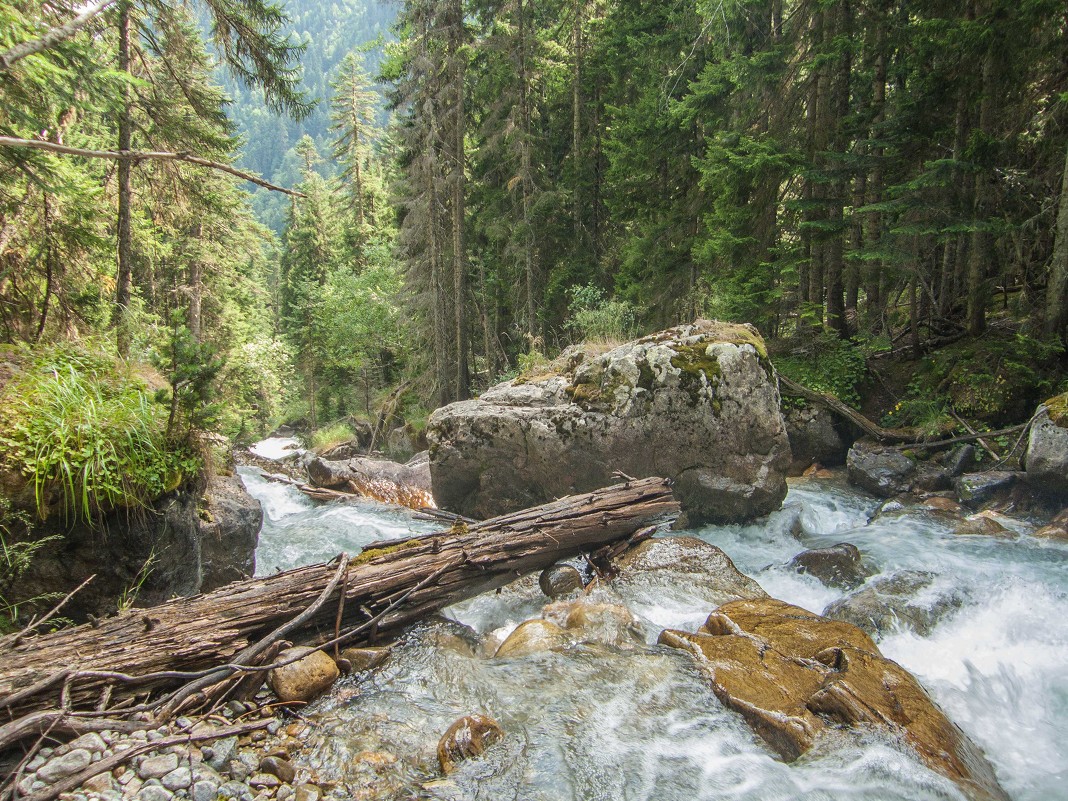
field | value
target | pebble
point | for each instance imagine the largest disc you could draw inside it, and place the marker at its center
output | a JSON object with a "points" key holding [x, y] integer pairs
{"points": [[222, 751], [285, 792], [205, 791], [239, 770], [236, 790], [101, 783], [35, 763], [306, 792], [281, 768], [158, 766], [155, 735], [154, 792], [264, 780], [91, 742], [178, 779], [66, 765], [25, 787]]}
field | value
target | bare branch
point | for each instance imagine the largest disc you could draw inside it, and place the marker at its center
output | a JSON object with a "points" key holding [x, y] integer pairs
{"points": [[144, 155], [53, 36]]}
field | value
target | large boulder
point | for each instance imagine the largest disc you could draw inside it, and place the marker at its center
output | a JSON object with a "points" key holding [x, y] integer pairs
{"points": [[697, 403], [839, 566], [794, 675], [229, 525], [1046, 460], [880, 470]]}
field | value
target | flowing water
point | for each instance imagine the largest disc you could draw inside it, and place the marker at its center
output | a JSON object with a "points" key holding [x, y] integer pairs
{"points": [[637, 721]]}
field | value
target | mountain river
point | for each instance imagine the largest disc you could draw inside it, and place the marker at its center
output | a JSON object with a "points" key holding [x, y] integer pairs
{"points": [[596, 721]]}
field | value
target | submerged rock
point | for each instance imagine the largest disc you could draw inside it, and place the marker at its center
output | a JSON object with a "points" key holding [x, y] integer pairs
{"points": [[838, 566], [1057, 529], [305, 679], [880, 470], [911, 599], [793, 675], [984, 524], [697, 403], [1046, 460], [467, 738], [533, 637], [590, 621]]}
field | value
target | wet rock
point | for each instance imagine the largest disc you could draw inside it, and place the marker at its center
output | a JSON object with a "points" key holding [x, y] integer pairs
{"points": [[533, 637], [586, 621], [697, 403], [767, 688], [910, 599], [451, 635], [467, 738], [559, 580], [661, 562], [229, 522], [68, 764], [156, 767], [979, 489], [880, 470], [1057, 528], [792, 675], [931, 477], [364, 659], [279, 767], [305, 679], [838, 566], [814, 437], [940, 504], [984, 524]]}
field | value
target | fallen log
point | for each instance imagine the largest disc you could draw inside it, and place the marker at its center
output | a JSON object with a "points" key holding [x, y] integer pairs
{"points": [[137, 657]]}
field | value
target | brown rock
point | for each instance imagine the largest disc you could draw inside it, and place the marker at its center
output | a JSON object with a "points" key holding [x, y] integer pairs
{"points": [[840, 565], [791, 673], [279, 767], [767, 688], [1057, 528], [305, 679], [468, 737], [611, 624], [361, 659], [984, 524], [789, 629], [559, 580], [940, 504], [533, 637]]}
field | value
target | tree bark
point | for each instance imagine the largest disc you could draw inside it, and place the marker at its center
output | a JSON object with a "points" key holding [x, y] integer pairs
{"points": [[459, 187], [1057, 289], [124, 273], [391, 583]]}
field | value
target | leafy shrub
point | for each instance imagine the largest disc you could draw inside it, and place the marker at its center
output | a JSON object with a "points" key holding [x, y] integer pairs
{"points": [[330, 435], [594, 316], [77, 424], [827, 364]]}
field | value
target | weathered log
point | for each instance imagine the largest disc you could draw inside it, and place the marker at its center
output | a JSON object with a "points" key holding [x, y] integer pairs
{"points": [[143, 652]]}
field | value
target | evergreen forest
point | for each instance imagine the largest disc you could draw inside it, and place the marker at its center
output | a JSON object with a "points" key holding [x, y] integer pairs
{"points": [[228, 215]]}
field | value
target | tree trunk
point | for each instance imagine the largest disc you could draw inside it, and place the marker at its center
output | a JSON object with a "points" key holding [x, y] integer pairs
{"points": [[981, 252], [392, 584], [124, 274], [576, 126], [459, 185], [1057, 289]]}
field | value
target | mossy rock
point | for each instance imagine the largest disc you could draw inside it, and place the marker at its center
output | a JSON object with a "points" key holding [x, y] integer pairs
{"points": [[1057, 407]]}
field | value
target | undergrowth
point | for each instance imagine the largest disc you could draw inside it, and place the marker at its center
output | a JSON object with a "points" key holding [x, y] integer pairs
{"points": [[827, 364], [87, 435]]}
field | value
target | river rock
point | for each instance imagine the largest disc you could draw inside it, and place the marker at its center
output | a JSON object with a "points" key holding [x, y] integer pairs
{"points": [[793, 675], [979, 489], [1057, 529], [911, 599], [697, 403], [559, 580], [305, 679], [533, 637], [592, 621], [815, 438], [1046, 459], [984, 524], [276, 766], [880, 470], [229, 528], [391, 482], [363, 659], [838, 566], [661, 563], [960, 460], [156, 767], [467, 738], [68, 764]]}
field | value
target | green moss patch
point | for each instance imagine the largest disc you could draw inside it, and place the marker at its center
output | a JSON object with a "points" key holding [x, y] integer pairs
{"points": [[1058, 410]]}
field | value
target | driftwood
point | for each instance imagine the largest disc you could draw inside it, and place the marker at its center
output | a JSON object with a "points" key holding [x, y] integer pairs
{"points": [[164, 659]]}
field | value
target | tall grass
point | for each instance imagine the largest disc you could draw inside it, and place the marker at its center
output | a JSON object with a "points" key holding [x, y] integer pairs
{"points": [[81, 427]]}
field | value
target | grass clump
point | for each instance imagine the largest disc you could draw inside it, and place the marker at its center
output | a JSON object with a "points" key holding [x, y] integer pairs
{"points": [[328, 436], [85, 432]]}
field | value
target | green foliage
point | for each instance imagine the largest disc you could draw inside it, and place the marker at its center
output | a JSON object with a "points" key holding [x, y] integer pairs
{"points": [[827, 364], [330, 435], [191, 368], [87, 435], [596, 317]]}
